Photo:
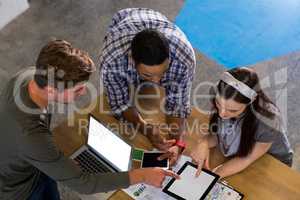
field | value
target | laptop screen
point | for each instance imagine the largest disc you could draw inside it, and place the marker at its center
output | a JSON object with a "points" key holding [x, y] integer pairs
{"points": [[107, 144]]}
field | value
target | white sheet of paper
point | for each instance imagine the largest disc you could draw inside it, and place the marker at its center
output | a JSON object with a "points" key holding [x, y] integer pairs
{"points": [[189, 186]]}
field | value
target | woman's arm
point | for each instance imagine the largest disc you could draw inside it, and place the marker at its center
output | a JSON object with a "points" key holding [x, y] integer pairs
{"points": [[200, 154], [212, 141], [238, 164]]}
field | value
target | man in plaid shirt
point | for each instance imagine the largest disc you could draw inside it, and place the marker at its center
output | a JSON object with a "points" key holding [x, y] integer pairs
{"points": [[143, 45]]}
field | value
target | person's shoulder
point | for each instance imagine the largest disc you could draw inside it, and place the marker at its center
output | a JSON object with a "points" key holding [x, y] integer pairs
{"points": [[271, 122], [15, 96], [181, 49], [12, 86], [116, 65], [114, 50]]}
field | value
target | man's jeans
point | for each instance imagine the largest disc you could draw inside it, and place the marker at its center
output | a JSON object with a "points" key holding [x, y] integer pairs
{"points": [[46, 189]]}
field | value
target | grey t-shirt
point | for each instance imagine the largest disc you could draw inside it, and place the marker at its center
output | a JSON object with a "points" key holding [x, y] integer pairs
{"points": [[268, 131], [27, 150]]}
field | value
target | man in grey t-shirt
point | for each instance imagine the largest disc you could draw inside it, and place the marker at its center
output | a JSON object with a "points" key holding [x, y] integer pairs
{"points": [[30, 163]]}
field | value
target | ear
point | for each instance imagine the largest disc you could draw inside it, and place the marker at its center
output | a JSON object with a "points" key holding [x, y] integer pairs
{"points": [[50, 91], [137, 66]]}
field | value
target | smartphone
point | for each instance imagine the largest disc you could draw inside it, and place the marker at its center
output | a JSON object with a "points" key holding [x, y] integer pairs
{"points": [[150, 160]]}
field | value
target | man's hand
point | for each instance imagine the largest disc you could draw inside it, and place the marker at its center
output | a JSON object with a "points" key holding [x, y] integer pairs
{"points": [[155, 133], [201, 156], [173, 154], [152, 176], [161, 143]]}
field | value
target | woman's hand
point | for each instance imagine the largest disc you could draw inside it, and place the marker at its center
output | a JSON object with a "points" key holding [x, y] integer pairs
{"points": [[200, 156]]}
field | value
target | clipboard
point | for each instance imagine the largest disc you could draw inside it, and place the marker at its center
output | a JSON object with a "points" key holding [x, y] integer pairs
{"points": [[190, 187], [223, 191]]}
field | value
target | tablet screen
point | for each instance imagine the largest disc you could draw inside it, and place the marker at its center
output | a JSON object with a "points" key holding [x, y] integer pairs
{"points": [[190, 187], [150, 160]]}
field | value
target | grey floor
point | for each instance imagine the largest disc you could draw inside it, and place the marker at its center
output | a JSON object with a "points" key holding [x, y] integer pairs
{"points": [[83, 22]]}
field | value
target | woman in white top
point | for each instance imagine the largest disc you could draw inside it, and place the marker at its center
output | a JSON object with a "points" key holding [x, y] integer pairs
{"points": [[245, 125]]}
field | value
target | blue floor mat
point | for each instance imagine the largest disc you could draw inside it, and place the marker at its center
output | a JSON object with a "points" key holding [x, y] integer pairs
{"points": [[241, 32]]}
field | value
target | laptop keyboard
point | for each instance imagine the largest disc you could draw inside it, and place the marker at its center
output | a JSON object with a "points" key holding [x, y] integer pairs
{"points": [[88, 163]]}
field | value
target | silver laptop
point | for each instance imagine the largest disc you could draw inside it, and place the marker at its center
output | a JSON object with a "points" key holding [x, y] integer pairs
{"points": [[104, 152]]}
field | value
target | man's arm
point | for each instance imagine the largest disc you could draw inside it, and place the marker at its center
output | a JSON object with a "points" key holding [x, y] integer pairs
{"points": [[117, 89], [153, 132], [133, 116], [177, 127], [178, 94], [37, 148], [176, 134]]}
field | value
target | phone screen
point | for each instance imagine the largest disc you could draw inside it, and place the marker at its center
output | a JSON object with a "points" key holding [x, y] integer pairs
{"points": [[150, 160]]}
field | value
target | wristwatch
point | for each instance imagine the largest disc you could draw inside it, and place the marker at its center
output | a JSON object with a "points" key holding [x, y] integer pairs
{"points": [[181, 144]]}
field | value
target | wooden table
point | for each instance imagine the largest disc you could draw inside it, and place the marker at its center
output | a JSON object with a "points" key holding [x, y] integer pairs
{"points": [[266, 179]]}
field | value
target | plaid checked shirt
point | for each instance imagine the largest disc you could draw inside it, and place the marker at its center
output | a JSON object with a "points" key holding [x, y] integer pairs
{"points": [[118, 70]]}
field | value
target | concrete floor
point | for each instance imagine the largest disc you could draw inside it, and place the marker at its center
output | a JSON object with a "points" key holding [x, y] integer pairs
{"points": [[84, 22]]}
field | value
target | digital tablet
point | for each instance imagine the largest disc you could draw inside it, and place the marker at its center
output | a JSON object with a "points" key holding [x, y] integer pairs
{"points": [[150, 160], [189, 187]]}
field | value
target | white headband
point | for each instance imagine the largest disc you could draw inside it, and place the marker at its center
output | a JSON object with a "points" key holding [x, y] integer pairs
{"points": [[239, 86]]}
